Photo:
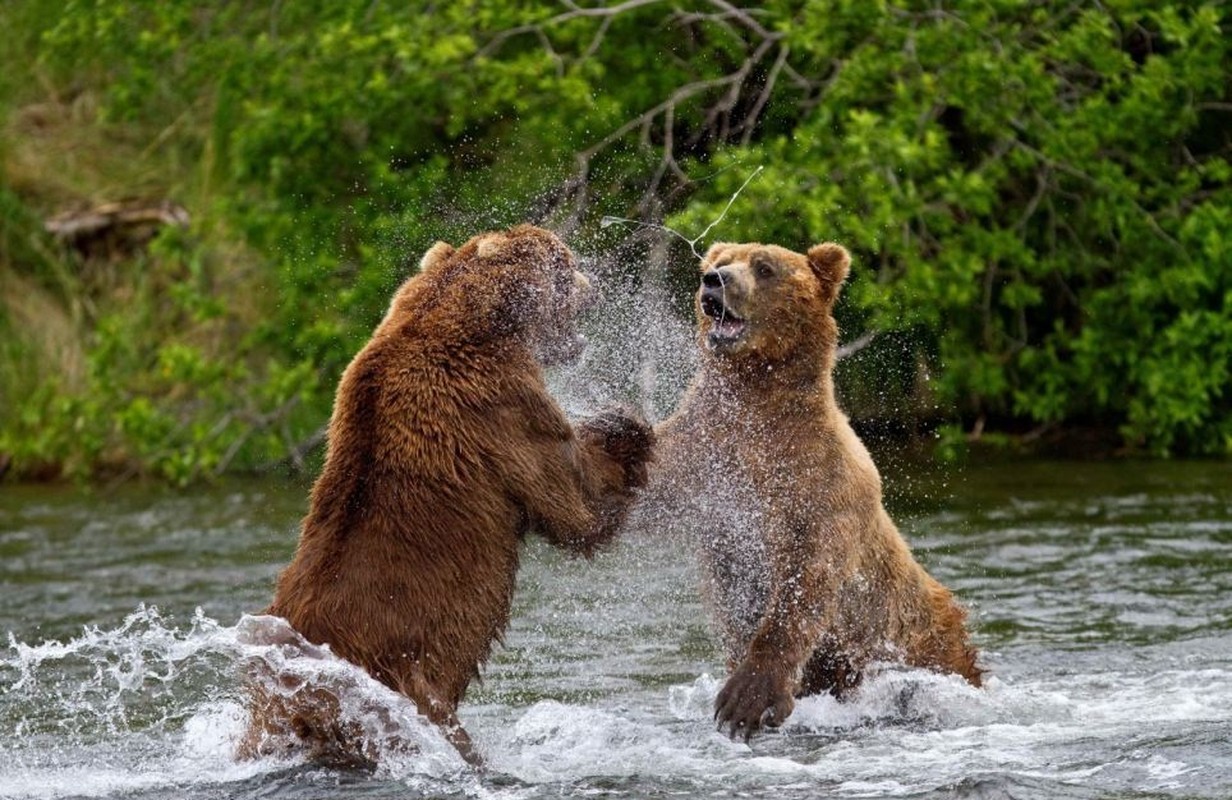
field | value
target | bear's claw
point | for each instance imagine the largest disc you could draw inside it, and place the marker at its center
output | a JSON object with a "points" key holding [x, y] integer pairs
{"points": [[628, 439], [752, 699]]}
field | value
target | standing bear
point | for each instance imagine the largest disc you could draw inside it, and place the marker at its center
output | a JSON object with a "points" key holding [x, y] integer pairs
{"points": [[805, 573], [445, 449]]}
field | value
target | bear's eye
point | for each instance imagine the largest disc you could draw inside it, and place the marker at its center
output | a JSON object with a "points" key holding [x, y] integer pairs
{"points": [[763, 268]]}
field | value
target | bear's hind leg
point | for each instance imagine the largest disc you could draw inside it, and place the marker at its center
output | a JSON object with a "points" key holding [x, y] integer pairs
{"points": [[440, 712], [828, 672]]}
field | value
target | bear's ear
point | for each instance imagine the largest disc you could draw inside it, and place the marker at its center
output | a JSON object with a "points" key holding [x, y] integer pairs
{"points": [[491, 245], [830, 262], [435, 256]]}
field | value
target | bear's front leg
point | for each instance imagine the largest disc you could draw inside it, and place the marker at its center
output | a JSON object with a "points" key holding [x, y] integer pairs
{"points": [[795, 619], [756, 694], [611, 453], [576, 485]]}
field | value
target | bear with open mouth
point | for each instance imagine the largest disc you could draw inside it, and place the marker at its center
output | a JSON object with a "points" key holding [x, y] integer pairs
{"points": [[806, 575]]}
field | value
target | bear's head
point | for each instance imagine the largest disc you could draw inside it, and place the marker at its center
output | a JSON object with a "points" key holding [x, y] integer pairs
{"points": [[518, 284], [765, 302]]}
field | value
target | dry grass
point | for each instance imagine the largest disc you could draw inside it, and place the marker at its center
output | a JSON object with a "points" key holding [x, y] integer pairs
{"points": [[56, 155], [46, 328], [60, 156]]}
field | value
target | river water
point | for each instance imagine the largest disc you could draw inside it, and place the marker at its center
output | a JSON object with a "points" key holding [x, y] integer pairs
{"points": [[1101, 597]]}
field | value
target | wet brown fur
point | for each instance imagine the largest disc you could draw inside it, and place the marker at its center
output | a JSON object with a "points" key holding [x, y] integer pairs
{"points": [[445, 448], [841, 587]]}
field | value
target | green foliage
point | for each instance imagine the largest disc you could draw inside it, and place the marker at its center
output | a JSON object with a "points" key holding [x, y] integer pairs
{"points": [[1042, 191], [172, 413], [1038, 196]]}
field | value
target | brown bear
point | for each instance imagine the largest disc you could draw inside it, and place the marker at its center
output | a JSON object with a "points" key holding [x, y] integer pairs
{"points": [[805, 573], [444, 450]]}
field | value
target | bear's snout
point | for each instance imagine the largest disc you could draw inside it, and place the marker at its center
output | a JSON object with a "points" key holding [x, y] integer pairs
{"points": [[712, 302], [729, 283]]}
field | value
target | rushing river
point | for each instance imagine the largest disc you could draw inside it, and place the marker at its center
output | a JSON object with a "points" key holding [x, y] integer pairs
{"points": [[1101, 597]]}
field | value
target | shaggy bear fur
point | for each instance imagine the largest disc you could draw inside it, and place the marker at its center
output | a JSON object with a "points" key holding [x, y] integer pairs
{"points": [[445, 449], [806, 575]]}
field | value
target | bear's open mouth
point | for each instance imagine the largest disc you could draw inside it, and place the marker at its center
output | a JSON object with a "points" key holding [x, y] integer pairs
{"points": [[727, 329], [727, 326]]}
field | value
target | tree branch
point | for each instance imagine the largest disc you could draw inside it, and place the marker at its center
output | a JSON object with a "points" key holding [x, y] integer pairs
{"points": [[853, 347], [713, 121], [574, 12]]}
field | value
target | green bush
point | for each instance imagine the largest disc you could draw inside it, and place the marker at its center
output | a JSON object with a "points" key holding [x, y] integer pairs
{"points": [[1038, 195], [1041, 190]]}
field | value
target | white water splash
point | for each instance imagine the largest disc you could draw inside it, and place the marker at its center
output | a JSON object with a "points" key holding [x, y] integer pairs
{"points": [[149, 707], [904, 733], [605, 687], [149, 704], [646, 356]]}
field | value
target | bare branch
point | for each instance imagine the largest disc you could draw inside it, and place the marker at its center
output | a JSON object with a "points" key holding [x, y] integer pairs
{"points": [[261, 422], [853, 347], [754, 114], [745, 16], [680, 95], [597, 40], [1061, 166], [1042, 184], [298, 452], [574, 12], [726, 95]]}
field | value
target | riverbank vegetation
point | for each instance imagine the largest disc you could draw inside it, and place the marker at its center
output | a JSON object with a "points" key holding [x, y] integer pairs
{"points": [[1038, 197]]}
